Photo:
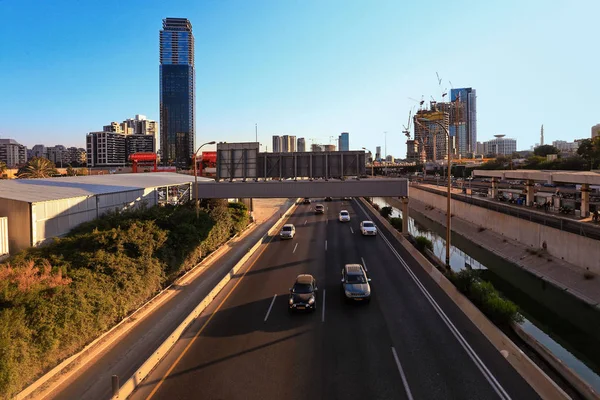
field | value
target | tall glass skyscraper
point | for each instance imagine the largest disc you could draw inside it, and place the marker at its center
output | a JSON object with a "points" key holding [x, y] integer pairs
{"points": [[177, 92], [464, 126], [344, 142]]}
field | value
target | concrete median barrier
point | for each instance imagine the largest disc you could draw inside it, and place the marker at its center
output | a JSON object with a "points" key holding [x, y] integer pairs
{"points": [[129, 386]]}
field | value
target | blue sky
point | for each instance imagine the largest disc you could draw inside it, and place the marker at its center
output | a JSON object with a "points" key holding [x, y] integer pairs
{"points": [[310, 68]]}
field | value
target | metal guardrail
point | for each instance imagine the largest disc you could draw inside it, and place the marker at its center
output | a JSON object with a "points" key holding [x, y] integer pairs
{"points": [[564, 224]]}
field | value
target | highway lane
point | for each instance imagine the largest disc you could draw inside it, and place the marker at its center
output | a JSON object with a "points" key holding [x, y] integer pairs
{"points": [[397, 346]]}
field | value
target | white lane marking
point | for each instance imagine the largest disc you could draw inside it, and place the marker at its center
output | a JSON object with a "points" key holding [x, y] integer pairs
{"points": [[351, 230], [269, 310], [323, 309], [326, 245], [296, 246], [364, 264], [455, 332], [305, 221], [404, 381]]}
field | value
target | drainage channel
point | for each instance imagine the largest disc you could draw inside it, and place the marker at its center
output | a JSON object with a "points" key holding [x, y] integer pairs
{"points": [[561, 323]]}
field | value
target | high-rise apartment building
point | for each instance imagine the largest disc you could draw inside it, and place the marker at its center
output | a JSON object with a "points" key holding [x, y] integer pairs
{"points": [[500, 146], [378, 153], [105, 149], [463, 122], [480, 150], [288, 144], [412, 151], [277, 144], [39, 150], [301, 147], [177, 92], [139, 143], [344, 142], [595, 131], [565, 147], [12, 153], [55, 154]]}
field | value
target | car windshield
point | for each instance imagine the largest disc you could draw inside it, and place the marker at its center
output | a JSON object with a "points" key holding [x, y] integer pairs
{"points": [[319, 207], [368, 225], [356, 279], [344, 214], [302, 288], [287, 229]]}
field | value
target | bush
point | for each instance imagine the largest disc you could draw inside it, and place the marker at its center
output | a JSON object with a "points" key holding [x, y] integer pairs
{"points": [[57, 298], [499, 310], [396, 222], [386, 211], [423, 243], [375, 206]]}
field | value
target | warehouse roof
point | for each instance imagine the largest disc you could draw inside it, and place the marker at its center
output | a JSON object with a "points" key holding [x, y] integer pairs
{"points": [[38, 190]]}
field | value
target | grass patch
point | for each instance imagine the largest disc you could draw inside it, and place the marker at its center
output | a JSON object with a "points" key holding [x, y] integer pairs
{"points": [[57, 298]]}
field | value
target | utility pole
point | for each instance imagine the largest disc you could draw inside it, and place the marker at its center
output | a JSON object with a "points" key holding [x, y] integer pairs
{"points": [[385, 150]]}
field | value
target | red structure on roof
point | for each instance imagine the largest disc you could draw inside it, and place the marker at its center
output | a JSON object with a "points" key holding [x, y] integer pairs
{"points": [[145, 159]]}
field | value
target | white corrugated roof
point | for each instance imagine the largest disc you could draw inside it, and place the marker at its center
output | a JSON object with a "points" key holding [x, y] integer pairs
{"points": [[38, 190]]}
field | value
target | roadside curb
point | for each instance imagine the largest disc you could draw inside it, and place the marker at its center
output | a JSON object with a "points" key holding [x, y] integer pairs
{"points": [[142, 372], [539, 381], [43, 386]]}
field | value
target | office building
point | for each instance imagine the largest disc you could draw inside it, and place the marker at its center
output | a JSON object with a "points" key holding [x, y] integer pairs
{"points": [[177, 92], [430, 128], [565, 147], [12, 153], [328, 147], [378, 153], [344, 142], [500, 146], [288, 144], [595, 131], [106, 149], [276, 144], [480, 150], [301, 147], [39, 150], [389, 158], [463, 123]]}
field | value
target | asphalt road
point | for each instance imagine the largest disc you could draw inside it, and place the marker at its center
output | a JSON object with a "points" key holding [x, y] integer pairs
{"points": [[409, 342]]}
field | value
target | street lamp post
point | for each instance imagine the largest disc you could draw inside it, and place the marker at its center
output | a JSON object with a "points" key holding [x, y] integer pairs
{"points": [[449, 192], [364, 148], [196, 177]]}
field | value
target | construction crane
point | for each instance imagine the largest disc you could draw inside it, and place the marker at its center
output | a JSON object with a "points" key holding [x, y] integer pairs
{"points": [[444, 92], [407, 127], [419, 101]]}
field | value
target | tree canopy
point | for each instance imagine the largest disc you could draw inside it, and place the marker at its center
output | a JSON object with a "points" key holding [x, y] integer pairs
{"points": [[37, 167], [543, 151]]}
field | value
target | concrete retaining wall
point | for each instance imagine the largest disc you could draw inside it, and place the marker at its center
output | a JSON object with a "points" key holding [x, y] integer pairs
{"points": [[580, 251]]}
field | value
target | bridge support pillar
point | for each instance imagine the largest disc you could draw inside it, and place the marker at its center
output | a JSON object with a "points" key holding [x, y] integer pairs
{"points": [[404, 210], [529, 185], [494, 188], [585, 200]]}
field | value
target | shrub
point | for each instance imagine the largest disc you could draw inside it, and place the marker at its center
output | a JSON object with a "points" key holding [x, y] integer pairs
{"points": [[396, 222], [375, 206], [423, 243], [57, 298], [386, 211]]}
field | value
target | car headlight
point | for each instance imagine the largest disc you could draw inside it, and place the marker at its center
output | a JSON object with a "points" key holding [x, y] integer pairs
{"points": [[291, 301], [311, 300], [348, 294]]}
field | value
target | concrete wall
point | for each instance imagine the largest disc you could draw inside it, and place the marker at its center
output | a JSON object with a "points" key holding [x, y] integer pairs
{"points": [[575, 249], [19, 223]]}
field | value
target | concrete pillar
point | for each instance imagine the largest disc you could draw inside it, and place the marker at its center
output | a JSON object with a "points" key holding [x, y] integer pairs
{"points": [[585, 200], [494, 188], [529, 185], [404, 210]]}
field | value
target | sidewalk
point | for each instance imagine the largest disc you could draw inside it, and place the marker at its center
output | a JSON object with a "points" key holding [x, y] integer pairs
{"points": [[551, 269]]}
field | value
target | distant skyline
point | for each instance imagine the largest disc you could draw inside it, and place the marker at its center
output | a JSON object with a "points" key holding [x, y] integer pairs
{"points": [[309, 68]]}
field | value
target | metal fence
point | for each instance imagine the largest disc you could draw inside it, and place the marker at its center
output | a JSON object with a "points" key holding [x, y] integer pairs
{"points": [[564, 224]]}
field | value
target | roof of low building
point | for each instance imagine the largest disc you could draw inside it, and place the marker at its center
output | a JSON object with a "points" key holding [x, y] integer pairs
{"points": [[577, 177], [48, 189]]}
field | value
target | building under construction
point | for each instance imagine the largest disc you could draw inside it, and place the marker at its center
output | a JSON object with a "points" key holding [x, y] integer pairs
{"points": [[429, 135]]}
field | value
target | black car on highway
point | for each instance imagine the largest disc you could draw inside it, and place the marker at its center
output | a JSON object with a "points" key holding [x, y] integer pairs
{"points": [[306, 200], [303, 295]]}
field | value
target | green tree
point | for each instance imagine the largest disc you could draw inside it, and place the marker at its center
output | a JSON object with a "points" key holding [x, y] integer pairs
{"points": [[543, 151], [37, 167], [589, 150], [71, 171], [3, 168]]}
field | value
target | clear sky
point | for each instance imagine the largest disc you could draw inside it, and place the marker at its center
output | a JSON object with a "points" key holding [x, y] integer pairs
{"points": [[310, 68]]}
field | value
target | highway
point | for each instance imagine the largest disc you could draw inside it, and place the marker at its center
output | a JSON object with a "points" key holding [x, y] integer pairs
{"points": [[409, 342]]}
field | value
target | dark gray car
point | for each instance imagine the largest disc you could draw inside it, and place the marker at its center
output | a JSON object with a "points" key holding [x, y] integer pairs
{"points": [[355, 283], [303, 295]]}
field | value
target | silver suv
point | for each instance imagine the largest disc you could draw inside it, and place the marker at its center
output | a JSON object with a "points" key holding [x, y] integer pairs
{"points": [[355, 283]]}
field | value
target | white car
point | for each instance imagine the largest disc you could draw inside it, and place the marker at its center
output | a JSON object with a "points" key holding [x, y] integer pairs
{"points": [[368, 228], [344, 216], [288, 231]]}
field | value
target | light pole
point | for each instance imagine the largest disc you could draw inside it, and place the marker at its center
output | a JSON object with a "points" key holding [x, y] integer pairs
{"points": [[448, 230], [385, 150], [364, 148], [196, 177]]}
